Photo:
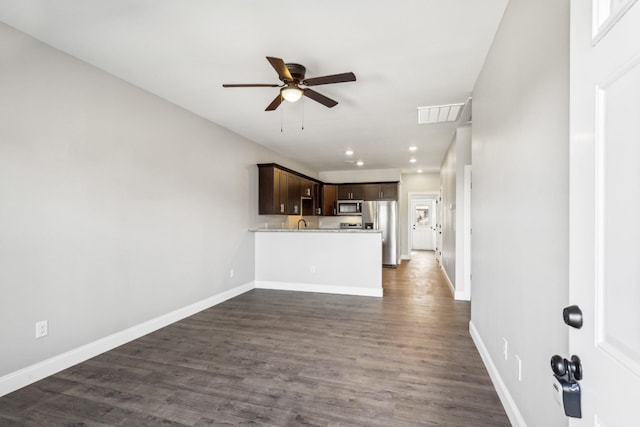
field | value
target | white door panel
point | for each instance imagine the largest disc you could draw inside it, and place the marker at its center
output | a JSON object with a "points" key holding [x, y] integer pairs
{"points": [[422, 224], [604, 205]]}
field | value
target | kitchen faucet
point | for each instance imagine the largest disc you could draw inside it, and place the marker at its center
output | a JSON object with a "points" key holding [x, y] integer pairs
{"points": [[305, 223]]}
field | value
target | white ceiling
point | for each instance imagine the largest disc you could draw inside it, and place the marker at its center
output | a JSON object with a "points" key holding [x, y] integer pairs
{"points": [[404, 53]]}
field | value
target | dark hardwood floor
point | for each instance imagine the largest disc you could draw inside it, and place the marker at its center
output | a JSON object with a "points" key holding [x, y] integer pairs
{"points": [[286, 359]]}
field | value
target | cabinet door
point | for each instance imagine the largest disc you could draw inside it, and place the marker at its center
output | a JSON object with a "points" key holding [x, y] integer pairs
{"points": [[280, 186], [272, 193], [317, 197], [357, 191], [371, 192], [351, 192], [389, 191], [293, 194], [344, 192], [381, 192], [329, 198]]}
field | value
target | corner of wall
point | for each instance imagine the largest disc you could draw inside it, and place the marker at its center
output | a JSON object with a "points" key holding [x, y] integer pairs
{"points": [[507, 400]]}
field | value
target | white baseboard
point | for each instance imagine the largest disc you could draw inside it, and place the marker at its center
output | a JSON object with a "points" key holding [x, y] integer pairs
{"points": [[449, 282], [405, 257], [462, 296], [457, 295], [23, 377], [508, 403], [325, 289]]}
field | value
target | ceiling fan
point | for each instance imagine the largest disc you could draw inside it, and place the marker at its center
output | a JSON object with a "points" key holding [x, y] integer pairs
{"points": [[292, 77]]}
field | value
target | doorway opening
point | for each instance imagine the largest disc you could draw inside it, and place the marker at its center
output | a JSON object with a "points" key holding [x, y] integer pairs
{"points": [[422, 222]]}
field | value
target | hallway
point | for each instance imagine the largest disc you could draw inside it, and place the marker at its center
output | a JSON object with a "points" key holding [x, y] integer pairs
{"points": [[419, 279]]}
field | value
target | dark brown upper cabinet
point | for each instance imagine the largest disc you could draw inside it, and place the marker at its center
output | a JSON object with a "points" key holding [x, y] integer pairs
{"points": [[285, 192], [351, 191], [382, 191], [272, 191], [293, 206], [329, 199], [282, 191]]}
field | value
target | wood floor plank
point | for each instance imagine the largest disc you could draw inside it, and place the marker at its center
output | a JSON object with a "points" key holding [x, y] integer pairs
{"points": [[277, 358]]}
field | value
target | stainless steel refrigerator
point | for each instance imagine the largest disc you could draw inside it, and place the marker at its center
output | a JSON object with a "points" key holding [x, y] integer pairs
{"points": [[383, 215]]}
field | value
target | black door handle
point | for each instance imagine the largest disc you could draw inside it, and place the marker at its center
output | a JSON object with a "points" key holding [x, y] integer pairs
{"points": [[571, 368], [566, 374], [572, 316]]}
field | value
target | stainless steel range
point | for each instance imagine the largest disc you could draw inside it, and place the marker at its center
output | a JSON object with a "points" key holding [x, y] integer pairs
{"points": [[347, 225]]}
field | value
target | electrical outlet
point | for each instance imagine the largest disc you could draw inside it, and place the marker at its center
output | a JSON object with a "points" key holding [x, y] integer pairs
{"points": [[231, 273], [42, 328], [505, 348], [519, 362]]}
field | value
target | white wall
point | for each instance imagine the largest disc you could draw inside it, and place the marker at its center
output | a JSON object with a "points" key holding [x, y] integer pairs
{"points": [[413, 183], [520, 205], [447, 206], [452, 178], [115, 206]]}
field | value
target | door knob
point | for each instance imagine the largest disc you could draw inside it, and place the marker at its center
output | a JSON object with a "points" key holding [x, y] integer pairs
{"points": [[572, 316], [571, 368]]}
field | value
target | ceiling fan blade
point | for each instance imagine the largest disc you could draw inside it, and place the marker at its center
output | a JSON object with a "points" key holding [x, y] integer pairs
{"points": [[318, 97], [280, 67], [274, 104], [251, 85], [334, 78]]}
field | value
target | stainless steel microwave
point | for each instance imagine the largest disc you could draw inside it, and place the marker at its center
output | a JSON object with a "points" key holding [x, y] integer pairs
{"points": [[350, 207]]}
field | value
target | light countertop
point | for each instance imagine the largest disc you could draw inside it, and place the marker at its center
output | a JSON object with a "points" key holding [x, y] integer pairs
{"points": [[315, 230]]}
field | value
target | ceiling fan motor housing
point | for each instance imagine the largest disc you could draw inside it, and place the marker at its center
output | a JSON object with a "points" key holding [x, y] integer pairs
{"points": [[297, 71]]}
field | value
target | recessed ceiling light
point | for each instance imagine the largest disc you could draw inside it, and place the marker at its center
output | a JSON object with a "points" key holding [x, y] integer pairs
{"points": [[349, 152], [419, 170], [413, 148], [412, 160], [359, 163]]}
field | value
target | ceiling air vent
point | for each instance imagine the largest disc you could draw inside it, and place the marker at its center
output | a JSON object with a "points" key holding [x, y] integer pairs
{"points": [[439, 113]]}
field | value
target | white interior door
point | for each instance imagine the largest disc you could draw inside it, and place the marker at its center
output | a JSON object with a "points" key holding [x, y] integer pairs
{"points": [[438, 227], [423, 223], [605, 206]]}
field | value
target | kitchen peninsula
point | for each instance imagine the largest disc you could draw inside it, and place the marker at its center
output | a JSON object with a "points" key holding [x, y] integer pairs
{"points": [[319, 260]]}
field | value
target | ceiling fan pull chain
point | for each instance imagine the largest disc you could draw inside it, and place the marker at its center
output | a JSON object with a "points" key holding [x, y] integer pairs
{"points": [[281, 114], [303, 114]]}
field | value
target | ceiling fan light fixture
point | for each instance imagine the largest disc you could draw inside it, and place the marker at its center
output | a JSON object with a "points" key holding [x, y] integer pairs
{"points": [[291, 93]]}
